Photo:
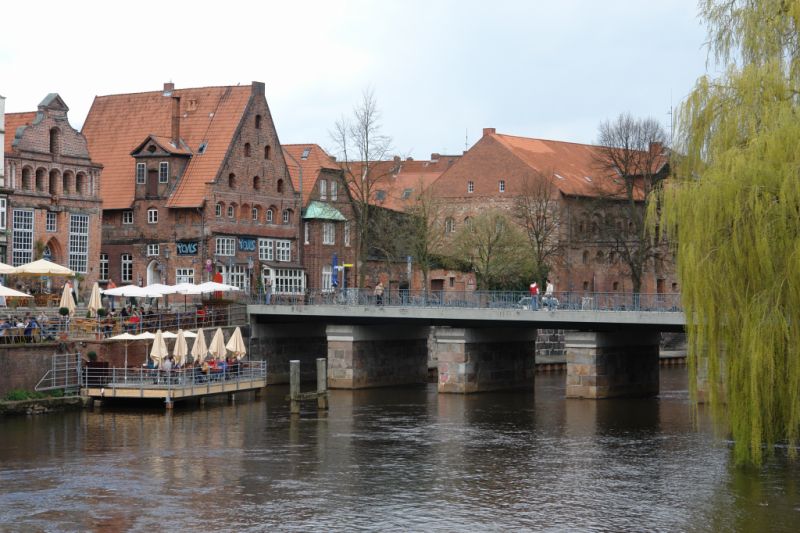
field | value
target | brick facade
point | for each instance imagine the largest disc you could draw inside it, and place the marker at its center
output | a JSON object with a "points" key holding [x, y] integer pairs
{"points": [[55, 184]]}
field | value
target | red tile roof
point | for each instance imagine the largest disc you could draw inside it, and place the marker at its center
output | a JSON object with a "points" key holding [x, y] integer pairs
{"points": [[312, 165], [14, 121], [117, 124]]}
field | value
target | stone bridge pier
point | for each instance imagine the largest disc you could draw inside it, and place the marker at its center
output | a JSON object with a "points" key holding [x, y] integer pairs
{"points": [[485, 359], [280, 343], [376, 356], [612, 364]]}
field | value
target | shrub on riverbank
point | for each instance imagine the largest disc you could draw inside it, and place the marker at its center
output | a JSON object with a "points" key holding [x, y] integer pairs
{"points": [[18, 395]]}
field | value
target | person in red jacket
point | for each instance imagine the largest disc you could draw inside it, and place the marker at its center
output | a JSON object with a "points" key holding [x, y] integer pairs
{"points": [[534, 296]]}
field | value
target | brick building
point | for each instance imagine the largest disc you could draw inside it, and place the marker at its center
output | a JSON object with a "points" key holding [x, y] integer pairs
{"points": [[3, 190], [491, 175], [195, 183], [54, 206], [328, 232]]}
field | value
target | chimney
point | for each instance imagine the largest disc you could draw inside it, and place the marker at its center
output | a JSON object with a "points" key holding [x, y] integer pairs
{"points": [[257, 88], [175, 134], [656, 148], [435, 156], [489, 131], [409, 158], [168, 88]]}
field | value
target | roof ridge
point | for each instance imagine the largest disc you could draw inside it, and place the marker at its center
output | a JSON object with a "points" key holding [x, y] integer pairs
{"points": [[546, 140], [161, 91]]}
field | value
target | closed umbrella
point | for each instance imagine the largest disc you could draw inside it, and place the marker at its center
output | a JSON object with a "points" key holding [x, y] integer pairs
{"points": [[159, 350], [181, 349], [199, 349], [217, 346], [236, 344], [94, 300], [67, 300]]}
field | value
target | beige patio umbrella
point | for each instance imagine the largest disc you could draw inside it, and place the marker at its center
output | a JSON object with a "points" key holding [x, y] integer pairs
{"points": [[8, 291], [236, 344], [43, 267], [127, 337], [181, 349], [187, 334], [217, 346], [67, 300], [159, 350], [199, 349], [7, 269], [94, 300]]}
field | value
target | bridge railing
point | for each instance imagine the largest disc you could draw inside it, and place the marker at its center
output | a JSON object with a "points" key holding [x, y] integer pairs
{"points": [[569, 300]]}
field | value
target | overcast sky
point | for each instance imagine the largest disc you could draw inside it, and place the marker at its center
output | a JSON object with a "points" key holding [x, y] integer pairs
{"points": [[440, 70]]}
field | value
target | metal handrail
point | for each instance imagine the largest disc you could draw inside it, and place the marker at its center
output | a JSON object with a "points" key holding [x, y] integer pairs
{"points": [[562, 300], [173, 379]]}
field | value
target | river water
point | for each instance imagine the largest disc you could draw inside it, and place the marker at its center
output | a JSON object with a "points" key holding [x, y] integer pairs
{"points": [[390, 459]]}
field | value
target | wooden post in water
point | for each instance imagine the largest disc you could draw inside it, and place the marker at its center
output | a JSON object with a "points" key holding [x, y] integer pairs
{"points": [[322, 383], [294, 386]]}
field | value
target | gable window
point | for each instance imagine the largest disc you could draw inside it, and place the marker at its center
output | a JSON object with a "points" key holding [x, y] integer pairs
{"points": [[226, 246], [328, 233], [286, 216], [280, 185], [256, 183], [323, 189], [470, 187], [127, 217], [347, 233], [163, 172], [247, 149], [153, 249], [334, 190], [141, 173], [152, 216], [103, 267], [231, 211], [449, 225], [266, 152], [232, 181], [501, 186], [258, 122], [50, 222], [270, 215], [218, 210], [254, 213], [126, 264]]}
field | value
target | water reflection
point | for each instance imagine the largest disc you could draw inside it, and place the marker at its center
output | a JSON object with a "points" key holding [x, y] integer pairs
{"points": [[405, 458]]}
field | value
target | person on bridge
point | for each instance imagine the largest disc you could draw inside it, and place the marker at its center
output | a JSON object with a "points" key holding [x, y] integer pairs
{"points": [[534, 296], [379, 293], [549, 300]]}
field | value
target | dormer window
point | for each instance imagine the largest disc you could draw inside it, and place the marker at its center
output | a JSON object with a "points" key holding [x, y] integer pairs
{"points": [[218, 210], [141, 173], [334, 190], [305, 154], [470, 187], [163, 172], [323, 189]]}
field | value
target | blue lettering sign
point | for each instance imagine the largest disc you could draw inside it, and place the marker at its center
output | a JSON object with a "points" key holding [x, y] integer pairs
{"points": [[247, 244], [186, 247]]}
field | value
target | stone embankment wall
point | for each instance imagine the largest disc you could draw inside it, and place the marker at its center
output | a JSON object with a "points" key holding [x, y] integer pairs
{"points": [[22, 366]]}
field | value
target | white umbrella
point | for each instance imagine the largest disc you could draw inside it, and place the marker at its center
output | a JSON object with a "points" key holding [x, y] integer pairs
{"points": [[186, 333], [132, 291], [43, 267], [181, 349], [67, 300], [159, 350], [127, 337], [199, 349], [213, 286], [7, 269], [145, 335], [161, 288], [217, 346], [236, 344], [8, 291], [94, 300], [186, 289]]}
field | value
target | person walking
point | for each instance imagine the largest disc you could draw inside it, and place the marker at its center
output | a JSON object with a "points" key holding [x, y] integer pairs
{"points": [[379, 293], [267, 290], [548, 294], [534, 296]]}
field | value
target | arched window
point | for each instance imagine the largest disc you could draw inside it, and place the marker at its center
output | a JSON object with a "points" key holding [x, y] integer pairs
{"points": [[601, 257], [232, 180], [55, 141], [280, 185], [256, 183], [80, 183], [266, 152], [67, 182], [270, 215], [27, 179], [467, 221], [255, 213], [53, 182], [258, 122], [247, 149], [449, 225], [41, 180], [218, 209], [244, 212], [287, 216], [585, 257], [231, 211]]}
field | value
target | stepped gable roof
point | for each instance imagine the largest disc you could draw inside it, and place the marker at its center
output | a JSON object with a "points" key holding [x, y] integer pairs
{"points": [[315, 161], [15, 121], [575, 168], [116, 125]]}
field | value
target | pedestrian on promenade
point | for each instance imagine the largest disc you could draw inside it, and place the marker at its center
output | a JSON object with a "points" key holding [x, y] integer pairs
{"points": [[534, 296], [379, 293], [548, 294]]}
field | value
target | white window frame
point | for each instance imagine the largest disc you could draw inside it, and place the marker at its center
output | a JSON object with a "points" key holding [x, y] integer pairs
{"points": [[287, 280], [328, 233], [323, 189], [152, 215], [22, 236], [231, 211], [285, 216], [283, 250], [501, 185], [270, 216], [126, 268], [163, 172], [79, 243], [266, 250], [327, 278], [104, 267], [254, 212], [127, 217], [470, 187], [218, 210], [141, 173], [51, 222], [184, 275], [225, 246], [153, 250], [334, 190], [347, 233], [237, 276], [306, 233], [3, 212]]}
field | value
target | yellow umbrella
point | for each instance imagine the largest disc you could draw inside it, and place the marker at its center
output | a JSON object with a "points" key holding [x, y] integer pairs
{"points": [[199, 349], [94, 300], [236, 344], [67, 300], [217, 346], [159, 350], [180, 350]]}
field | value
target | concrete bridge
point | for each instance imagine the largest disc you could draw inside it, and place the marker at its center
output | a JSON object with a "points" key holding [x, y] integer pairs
{"points": [[609, 352]]}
